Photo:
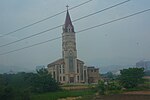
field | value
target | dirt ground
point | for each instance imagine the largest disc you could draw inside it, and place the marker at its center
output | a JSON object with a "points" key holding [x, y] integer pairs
{"points": [[137, 95], [139, 92], [80, 87], [134, 95]]}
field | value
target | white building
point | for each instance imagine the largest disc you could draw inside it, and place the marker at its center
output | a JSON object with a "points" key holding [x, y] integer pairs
{"points": [[68, 69]]}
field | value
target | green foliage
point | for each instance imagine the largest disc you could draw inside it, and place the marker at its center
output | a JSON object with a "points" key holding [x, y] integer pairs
{"points": [[7, 93], [114, 85], [1, 80], [147, 73], [110, 87], [25, 95], [43, 82], [62, 94], [20, 86], [102, 87], [109, 76], [131, 77]]}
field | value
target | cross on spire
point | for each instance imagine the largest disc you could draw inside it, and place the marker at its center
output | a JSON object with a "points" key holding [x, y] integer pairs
{"points": [[67, 7], [68, 23]]}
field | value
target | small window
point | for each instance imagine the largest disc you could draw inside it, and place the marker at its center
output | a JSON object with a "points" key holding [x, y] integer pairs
{"points": [[69, 28], [78, 78], [60, 78], [60, 71], [63, 71], [63, 78], [77, 70]]}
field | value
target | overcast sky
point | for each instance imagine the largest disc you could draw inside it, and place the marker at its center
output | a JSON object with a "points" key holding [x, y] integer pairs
{"points": [[124, 42]]}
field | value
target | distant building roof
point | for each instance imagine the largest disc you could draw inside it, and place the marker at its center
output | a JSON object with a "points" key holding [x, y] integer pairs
{"points": [[92, 67]]}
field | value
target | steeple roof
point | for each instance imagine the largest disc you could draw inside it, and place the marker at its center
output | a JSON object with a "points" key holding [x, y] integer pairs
{"points": [[68, 27]]}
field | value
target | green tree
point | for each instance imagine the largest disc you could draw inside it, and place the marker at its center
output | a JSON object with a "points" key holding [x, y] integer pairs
{"points": [[1, 80], [43, 82], [131, 77], [6, 93], [114, 85], [109, 75], [102, 87], [109, 87]]}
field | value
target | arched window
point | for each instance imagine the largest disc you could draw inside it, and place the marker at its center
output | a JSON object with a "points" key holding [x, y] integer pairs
{"points": [[69, 28]]}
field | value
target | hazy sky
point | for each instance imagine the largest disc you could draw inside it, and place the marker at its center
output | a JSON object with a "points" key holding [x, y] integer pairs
{"points": [[120, 43]]}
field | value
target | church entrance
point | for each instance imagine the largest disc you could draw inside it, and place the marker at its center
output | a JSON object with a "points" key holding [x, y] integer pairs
{"points": [[71, 79]]}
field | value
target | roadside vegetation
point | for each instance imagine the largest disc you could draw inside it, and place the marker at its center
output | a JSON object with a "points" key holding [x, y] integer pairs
{"points": [[130, 79], [62, 94], [41, 85], [22, 85]]}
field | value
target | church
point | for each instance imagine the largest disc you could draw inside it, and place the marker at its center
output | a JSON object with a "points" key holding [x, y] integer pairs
{"points": [[70, 69]]}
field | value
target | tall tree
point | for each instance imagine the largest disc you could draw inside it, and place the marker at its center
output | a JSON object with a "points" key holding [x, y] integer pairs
{"points": [[131, 77], [43, 82]]}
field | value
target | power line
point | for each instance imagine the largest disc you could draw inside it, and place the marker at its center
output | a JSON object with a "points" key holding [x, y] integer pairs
{"points": [[44, 19], [103, 10], [31, 45], [61, 25], [134, 14], [114, 20], [30, 36]]}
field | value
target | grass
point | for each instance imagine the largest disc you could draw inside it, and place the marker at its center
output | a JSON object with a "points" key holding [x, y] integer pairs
{"points": [[62, 94], [141, 87], [86, 94], [87, 97]]}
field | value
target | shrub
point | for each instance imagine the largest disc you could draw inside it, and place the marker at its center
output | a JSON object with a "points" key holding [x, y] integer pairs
{"points": [[131, 77], [110, 87]]}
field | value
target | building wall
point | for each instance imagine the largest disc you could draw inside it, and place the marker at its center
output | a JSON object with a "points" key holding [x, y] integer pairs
{"points": [[93, 75], [60, 72], [84, 74], [70, 56], [69, 69]]}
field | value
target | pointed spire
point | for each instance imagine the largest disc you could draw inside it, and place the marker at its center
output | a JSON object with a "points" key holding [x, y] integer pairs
{"points": [[68, 27]]}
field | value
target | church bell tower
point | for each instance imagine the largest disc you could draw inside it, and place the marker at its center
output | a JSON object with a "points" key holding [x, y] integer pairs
{"points": [[69, 52]]}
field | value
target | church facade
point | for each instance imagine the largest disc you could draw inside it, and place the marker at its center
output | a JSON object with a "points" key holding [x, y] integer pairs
{"points": [[69, 69]]}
